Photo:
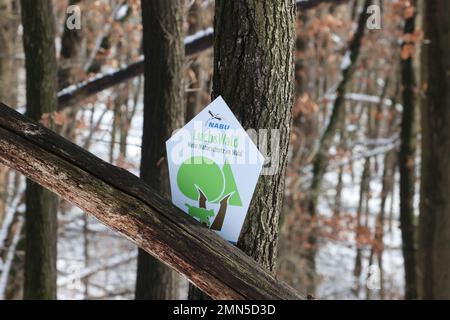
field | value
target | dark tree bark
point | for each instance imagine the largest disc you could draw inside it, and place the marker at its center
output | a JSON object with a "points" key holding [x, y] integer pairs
{"points": [[261, 45], [407, 161], [41, 205], [163, 113], [363, 194], [434, 234], [69, 63]]}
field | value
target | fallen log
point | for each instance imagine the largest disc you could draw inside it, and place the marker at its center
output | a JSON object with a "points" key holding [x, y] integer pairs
{"points": [[127, 205]]}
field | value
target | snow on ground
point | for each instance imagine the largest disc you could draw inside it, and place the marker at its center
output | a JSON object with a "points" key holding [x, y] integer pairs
{"points": [[336, 259]]}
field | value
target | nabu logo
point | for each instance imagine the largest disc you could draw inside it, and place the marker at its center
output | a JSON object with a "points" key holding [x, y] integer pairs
{"points": [[220, 126], [210, 123]]}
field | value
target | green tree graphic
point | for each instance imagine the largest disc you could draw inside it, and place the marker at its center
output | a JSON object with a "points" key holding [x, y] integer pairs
{"points": [[230, 186], [202, 180]]}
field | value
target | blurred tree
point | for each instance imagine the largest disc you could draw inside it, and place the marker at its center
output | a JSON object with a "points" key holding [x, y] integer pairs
{"points": [[407, 154], [163, 113], [261, 45], [434, 231], [320, 162], [196, 73], [41, 205]]}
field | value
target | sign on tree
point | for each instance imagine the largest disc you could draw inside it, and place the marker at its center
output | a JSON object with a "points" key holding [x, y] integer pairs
{"points": [[214, 167]]}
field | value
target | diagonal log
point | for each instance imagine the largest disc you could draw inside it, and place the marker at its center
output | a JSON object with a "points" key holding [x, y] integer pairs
{"points": [[127, 205]]}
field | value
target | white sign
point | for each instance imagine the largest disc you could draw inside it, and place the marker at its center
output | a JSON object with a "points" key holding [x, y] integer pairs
{"points": [[214, 167]]}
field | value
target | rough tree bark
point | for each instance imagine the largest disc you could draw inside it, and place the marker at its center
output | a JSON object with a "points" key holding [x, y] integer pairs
{"points": [[163, 113], [41, 205], [434, 230], [407, 163], [261, 45], [203, 41], [390, 163], [129, 206]]}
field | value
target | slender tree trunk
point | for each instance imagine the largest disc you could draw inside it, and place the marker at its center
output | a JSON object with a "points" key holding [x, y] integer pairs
{"points": [[163, 113], [434, 235], [363, 194], [390, 163], [69, 64], [70, 69], [41, 205], [194, 96], [407, 161]]}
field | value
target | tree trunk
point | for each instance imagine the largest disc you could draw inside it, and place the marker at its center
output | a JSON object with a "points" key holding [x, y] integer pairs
{"points": [[407, 161], [8, 78], [163, 113], [260, 45], [70, 69], [434, 235], [41, 205], [196, 79]]}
